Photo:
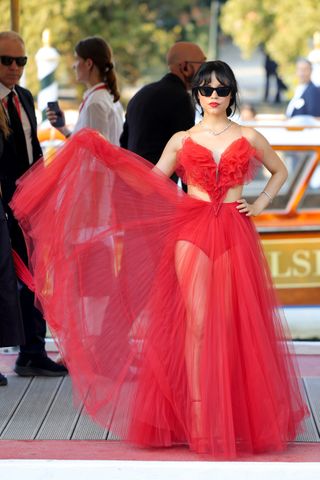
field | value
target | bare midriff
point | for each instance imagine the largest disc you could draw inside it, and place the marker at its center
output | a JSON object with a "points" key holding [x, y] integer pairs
{"points": [[232, 195]]}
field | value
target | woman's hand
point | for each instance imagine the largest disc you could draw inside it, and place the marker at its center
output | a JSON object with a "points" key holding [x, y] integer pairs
{"points": [[53, 117], [249, 209]]}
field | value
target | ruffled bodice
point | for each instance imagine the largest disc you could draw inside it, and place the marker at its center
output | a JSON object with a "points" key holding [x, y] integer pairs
{"points": [[197, 166]]}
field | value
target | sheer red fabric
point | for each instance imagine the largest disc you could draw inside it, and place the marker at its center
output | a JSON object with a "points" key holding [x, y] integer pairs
{"points": [[162, 304], [22, 271]]}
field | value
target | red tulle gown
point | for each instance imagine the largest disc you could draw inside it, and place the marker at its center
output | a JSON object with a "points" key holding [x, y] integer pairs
{"points": [[162, 304]]}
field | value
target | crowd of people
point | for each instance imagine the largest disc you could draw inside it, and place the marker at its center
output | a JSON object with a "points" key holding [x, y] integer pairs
{"points": [[190, 306]]}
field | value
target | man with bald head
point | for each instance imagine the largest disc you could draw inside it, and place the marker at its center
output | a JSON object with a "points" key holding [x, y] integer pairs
{"points": [[21, 149], [162, 108], [154, 114]]}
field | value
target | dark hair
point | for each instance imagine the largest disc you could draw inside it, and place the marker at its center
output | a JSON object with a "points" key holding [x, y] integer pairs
{"points": [[97, 49], [224, 75]]}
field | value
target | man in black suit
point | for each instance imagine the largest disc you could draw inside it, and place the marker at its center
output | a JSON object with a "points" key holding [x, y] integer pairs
{"points": [[20, 150], [306, 99], [154, 114], [162, 108]]}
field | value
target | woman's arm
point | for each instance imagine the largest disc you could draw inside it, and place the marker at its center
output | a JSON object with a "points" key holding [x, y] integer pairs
{"points": [[168, 160], [274, 165]]}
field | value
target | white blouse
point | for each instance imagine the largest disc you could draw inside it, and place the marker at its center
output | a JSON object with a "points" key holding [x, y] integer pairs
{"points": [[98, 111]]}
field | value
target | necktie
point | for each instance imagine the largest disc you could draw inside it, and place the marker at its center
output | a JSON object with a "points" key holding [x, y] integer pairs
{"points": [[21, 161]]}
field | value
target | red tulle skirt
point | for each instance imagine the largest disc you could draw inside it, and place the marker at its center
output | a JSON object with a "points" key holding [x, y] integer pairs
{"points": [[163, 310]]}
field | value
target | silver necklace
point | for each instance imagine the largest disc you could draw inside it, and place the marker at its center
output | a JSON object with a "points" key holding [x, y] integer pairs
{"points": [[212, 132]]}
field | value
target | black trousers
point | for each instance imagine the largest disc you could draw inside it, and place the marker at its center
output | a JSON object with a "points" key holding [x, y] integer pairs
{"points": [[33, 321], [11, 326]]}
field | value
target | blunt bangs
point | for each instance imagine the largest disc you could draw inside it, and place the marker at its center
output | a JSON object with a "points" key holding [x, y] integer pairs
{"points": [[225, 77]]}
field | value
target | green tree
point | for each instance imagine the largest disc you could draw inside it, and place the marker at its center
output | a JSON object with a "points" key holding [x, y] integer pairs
{"points": [[139, 31], [283, 28]]}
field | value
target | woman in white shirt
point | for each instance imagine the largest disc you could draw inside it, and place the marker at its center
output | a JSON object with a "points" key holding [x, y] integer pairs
{"points": [[100, 108]]}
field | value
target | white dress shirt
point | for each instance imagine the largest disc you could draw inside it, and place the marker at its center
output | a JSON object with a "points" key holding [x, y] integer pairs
{"points": [[99, 112], [296, 102]]}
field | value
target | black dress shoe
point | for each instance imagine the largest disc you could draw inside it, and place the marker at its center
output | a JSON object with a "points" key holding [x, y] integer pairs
{"points": [[3, 380], [38, 365]]}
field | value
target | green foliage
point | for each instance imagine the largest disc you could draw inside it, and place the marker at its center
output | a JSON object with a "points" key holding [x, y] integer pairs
{"points": [[283, 28], [139, 31], [35, 17]]}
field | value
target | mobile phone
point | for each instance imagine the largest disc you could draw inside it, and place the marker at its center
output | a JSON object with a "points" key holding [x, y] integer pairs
{"points": [[54, 106]]}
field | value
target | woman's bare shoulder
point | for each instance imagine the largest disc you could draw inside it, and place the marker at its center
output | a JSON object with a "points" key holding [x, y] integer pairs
{"points": [[254, 137], [177, 139]]}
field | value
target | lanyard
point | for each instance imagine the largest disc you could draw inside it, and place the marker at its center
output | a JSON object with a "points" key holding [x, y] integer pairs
{"points": [[100, 87]]}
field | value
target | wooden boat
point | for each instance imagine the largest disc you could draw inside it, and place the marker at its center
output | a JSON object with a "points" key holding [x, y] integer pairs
{"points": [[290, 226]]}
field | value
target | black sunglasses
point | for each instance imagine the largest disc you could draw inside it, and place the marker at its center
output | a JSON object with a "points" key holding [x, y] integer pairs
{"points": [[208, 91], [7, 61]]}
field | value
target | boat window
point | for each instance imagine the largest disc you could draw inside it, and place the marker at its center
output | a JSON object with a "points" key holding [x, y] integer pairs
{"points": [[299, 164], [311, 197]]}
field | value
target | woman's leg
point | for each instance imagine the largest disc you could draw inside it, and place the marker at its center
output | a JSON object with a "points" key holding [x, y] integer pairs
{"points": [[194, 271]]}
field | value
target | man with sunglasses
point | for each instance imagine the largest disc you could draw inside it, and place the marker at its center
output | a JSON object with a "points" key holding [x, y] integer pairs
{"points": [[162, 108], [20, 150]]}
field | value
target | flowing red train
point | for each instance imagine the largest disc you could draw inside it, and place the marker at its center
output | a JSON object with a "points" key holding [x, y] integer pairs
{"points": [[162, 304]]}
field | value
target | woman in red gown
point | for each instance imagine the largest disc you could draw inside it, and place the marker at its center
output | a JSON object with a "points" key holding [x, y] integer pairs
{"points": [[161, 301]]}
